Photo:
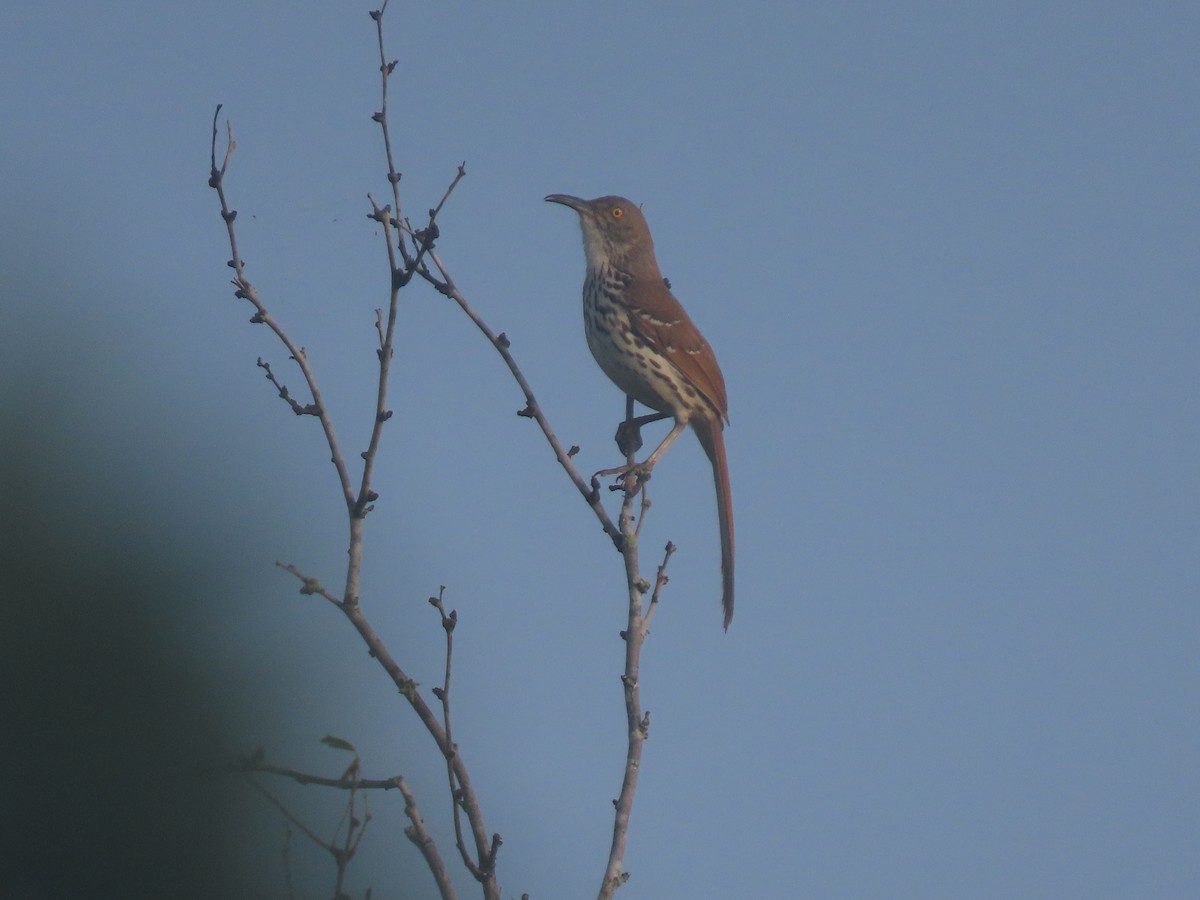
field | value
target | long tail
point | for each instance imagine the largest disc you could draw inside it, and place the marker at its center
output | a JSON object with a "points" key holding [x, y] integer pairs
{"points": [[713, 442]]}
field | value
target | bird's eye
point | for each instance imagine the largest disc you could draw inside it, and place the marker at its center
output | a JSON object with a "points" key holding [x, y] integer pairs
{"points": [[617, 212]]}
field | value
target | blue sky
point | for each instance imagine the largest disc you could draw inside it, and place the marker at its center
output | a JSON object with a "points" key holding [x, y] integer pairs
{"points": [[947, 255]]}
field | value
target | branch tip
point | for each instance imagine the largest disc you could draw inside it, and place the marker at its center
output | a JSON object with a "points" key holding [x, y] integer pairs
{"points": [[496, 842]]}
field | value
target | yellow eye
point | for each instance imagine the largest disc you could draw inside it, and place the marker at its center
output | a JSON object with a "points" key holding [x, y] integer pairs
{"points": [[617, 212]]}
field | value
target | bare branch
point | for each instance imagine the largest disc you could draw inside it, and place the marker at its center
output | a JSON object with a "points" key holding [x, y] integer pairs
{"points": [[443, 694], [384, 354], [310, 585], [365, 784], [385, 72], [309, 410], [425, 237], [423, 842], [660, 582], [637, 724], [590, 493], [244, 290]]}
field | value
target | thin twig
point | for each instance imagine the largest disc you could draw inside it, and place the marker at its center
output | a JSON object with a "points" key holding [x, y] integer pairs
{"points": [[484, 869], [244, 290], [591, 493], [385, 71], [291, 817], [660, 581], [384, 354], [424, 843], [366, 784], [443, 694], [637, 724], [425, 237], [310, 585], [309, 410], [356, 829]]}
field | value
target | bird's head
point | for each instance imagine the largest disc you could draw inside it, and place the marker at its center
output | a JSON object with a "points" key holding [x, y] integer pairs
{"points": [[614, 231]]}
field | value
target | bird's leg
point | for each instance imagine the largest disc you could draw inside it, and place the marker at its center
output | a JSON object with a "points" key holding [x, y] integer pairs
{"points": [[666, 442], [650, 460]]}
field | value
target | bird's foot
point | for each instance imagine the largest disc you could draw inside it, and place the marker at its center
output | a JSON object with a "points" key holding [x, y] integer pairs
{"points": [[641, 469], [632, 476]]}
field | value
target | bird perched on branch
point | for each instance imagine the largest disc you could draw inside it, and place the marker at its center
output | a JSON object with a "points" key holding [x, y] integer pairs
{"points": [[644, 341]]}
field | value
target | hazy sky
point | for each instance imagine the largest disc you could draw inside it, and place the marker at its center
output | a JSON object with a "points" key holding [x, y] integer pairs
{"points": [[947, 255]]}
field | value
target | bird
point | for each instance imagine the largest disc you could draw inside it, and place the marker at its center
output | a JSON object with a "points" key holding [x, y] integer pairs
{"points": [[644, 341]]}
